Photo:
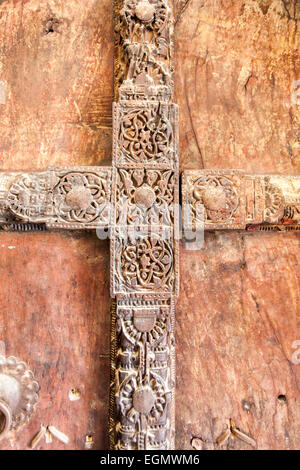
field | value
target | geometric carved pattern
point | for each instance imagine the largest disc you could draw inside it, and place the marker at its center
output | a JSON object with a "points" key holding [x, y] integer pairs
{"points": [[214, 198], [68, 198], [143, 263], [226, 199], [145, 134], [145, 196], [81, 197]]}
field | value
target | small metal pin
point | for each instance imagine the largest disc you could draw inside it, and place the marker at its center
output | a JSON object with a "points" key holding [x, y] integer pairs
{"points": [[58, 434], [38, 437]]}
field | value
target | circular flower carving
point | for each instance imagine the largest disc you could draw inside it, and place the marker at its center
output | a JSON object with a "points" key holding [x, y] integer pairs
{"points": [[147, 264], [80, 197], [145, 197], [218, 197]]}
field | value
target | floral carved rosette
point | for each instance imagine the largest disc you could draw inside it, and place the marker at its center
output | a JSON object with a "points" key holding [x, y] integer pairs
{"points": [[145, 136], [147, 398], [145, 264], [81, 198], [217, 196]]}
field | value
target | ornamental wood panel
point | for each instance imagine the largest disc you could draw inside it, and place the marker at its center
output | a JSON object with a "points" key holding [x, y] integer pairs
{"points": [[236, 317]]}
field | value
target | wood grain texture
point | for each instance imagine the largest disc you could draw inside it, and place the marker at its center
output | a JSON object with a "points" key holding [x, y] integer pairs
{"points": [[54, 304], [235, 65], [56, 64], [242, 292]]}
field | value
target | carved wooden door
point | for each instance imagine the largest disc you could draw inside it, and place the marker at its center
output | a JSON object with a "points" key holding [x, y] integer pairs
{"points": [[237, 71]]}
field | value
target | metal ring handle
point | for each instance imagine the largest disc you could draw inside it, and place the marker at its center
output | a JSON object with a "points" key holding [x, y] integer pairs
{"points": [[5, 419]]}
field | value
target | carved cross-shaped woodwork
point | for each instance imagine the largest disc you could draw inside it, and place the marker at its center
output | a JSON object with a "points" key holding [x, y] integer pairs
{"points": [[137, 202]]}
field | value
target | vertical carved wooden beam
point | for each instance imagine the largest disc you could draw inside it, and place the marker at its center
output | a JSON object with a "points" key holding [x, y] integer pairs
{"points": [[144, 271]]}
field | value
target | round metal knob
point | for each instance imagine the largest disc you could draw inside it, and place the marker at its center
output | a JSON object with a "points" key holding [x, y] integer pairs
{"points": [[18, 394]]}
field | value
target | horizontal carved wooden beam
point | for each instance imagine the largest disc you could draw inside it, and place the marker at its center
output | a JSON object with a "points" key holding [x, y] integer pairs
{"points": [[231, 199], [82, 198], [66, 197]]}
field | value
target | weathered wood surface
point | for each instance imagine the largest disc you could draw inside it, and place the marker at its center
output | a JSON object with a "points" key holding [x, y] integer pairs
{"points": [[54, 304], [236, 63]]}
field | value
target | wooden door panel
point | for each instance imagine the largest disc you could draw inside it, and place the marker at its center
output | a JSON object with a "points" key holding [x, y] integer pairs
{"points": [[235, 64], [238, 360], [56, 63]]}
